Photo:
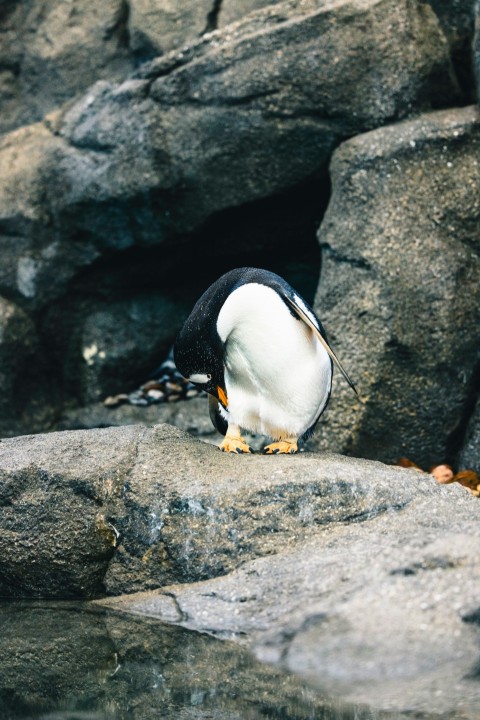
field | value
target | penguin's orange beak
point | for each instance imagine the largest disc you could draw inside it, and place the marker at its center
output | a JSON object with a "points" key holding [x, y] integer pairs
{"points": [[222, 396]]}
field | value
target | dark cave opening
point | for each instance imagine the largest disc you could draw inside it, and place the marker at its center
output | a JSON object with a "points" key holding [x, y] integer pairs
{"points": [[277, 233]]}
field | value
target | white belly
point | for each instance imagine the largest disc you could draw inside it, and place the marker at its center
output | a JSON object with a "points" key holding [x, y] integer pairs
{"points": [[277, 373]]}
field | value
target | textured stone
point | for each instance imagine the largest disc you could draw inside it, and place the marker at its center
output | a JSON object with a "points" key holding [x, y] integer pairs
{"points": [[243, 114], [133, 508], [51, 51], [347, 572], [119, 343], [233, 10], [399, 292], [382, 611], [158, 27]]}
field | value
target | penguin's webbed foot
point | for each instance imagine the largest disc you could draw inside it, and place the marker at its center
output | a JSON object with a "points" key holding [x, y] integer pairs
{"points": [[282, 447], [235, 445]]}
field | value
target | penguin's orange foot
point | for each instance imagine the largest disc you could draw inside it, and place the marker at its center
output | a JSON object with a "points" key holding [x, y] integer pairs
{"points": [[235, 445], [283, 447]]}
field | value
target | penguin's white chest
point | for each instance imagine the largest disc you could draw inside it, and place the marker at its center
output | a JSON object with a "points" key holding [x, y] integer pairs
{"points": [[277, 373]]}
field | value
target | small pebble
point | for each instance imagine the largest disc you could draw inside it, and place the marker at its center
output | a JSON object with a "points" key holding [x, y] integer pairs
{"points": [[137, 398], [156, 395], [115, 400], [151, 385], [166, 385]]}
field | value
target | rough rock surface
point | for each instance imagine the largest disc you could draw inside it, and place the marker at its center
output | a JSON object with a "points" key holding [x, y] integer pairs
{"points": [[399, 293], [50, 51], [141, 507], [119, 341], [339, 569], [103, 177], [233, 10]]}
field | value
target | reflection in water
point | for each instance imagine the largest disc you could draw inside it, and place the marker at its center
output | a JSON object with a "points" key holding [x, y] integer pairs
{"points": [[67, 661]]}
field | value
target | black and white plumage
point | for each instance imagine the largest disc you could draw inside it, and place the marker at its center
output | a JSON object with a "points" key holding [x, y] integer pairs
{"points": [[261, 353]]}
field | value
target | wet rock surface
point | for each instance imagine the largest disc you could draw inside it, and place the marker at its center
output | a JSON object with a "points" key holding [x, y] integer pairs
{"points": [[359, 577], [399, 290], [65, 660]]}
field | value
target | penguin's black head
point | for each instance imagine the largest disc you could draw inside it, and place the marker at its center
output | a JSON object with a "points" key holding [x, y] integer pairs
{"points": [[198, 355], [198, 350]]}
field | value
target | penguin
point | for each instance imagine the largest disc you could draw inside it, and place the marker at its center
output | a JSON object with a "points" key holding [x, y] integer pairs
{"points": [[260, 352]]}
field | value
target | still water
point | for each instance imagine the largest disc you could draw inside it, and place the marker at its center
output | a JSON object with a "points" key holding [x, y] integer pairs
{"points": [[69, 661]]}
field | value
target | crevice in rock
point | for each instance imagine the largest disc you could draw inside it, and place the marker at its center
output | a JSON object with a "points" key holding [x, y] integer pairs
{"points": [[473, 617], [212, 17], [456, 439], [120, 28], [182, 615], [340, 258], [433, 563]]}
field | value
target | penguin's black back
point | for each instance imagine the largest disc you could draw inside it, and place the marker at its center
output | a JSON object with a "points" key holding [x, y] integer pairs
{"points": [[198, 341]]}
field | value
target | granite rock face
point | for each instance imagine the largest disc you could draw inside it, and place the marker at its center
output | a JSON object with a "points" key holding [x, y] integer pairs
{"points": [[399, 293], [102, 176], [135, 508], [347, 572]]}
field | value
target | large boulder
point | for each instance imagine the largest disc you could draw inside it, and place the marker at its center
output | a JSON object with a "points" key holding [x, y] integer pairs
{"points": [[244, 114], [123, 509], [382, 611], [346, 571], [399, 291], [51, 50]]}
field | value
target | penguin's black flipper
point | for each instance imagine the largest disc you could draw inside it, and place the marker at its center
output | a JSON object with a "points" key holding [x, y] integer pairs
{"points": [[302, 314], [219, 422]]}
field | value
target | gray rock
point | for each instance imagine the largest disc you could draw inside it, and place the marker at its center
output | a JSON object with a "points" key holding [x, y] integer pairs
{"points": [[399, 291], [119, 343], [241, 115], [380, 611], [137, 507], [347, 572], [189, 415], [233, 10], [51, 51], [158, 27]]}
